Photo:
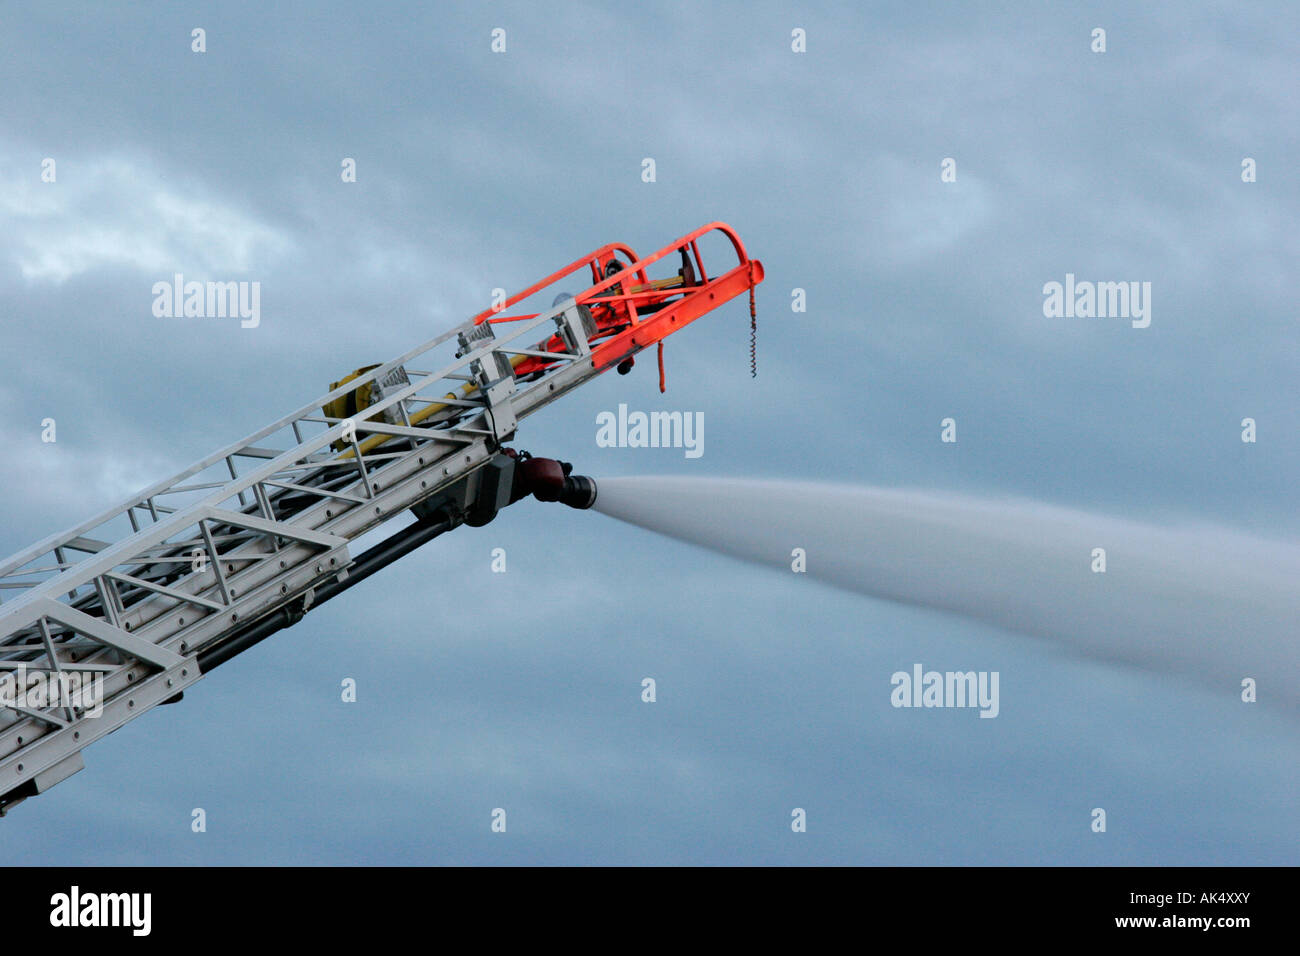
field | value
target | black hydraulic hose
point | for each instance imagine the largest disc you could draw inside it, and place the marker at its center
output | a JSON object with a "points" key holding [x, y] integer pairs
{"points": [[367, 563], [246, 637], [383, 554]]}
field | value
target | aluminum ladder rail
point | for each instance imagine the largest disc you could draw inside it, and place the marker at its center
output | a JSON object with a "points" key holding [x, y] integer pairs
{"points": [[134, 595]]}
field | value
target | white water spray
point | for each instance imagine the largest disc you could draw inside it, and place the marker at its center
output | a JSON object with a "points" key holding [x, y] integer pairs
{"points": [[1205, 602]]}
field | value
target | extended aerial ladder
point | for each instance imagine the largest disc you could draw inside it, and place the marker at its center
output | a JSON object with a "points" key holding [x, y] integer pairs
{"points": [[144, 599]]}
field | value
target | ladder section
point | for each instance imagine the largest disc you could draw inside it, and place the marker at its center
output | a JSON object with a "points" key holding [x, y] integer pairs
{"points": [[119, 607], [105, 621]]}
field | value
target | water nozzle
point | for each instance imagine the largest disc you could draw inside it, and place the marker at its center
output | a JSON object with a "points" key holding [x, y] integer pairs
{"points": [[550, 480]]}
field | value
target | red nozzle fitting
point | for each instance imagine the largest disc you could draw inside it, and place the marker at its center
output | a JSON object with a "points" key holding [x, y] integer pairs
{"points": [[544, 477], [550, 480]]}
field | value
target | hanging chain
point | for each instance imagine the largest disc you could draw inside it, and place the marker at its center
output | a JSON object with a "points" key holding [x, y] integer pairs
{"points": [[753, 329]]}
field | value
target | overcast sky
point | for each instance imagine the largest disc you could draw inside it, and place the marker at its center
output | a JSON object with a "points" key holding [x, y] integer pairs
{"points": [[478, 170]]}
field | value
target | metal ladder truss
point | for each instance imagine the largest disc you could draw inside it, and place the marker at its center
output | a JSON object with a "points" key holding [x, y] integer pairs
{"points": [[132, 596]]}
